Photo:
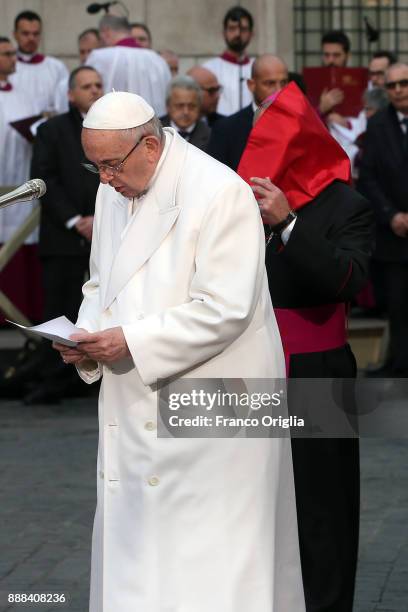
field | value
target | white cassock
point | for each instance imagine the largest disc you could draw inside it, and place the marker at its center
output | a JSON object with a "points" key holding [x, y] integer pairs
{"points": [[233, 77], [186, 525], [140, 71], [40, 81], [15, 159], [61, 97]]}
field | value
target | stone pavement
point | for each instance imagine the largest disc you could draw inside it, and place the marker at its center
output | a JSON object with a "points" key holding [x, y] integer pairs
{"points": [[47, 467]]}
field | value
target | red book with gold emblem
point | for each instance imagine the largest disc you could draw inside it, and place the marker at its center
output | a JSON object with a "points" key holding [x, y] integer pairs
{"points": [[352, 81]]}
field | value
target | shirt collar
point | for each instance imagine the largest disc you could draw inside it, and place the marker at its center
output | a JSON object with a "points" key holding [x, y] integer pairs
{"points": [[188, 130], [401, 116], [232, 59], [30, 58], [5, 86], [128, 42]]}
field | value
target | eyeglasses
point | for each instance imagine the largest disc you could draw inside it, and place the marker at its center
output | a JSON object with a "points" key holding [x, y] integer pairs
{"points": [[213, 90], [393, 84], [112, 170]]}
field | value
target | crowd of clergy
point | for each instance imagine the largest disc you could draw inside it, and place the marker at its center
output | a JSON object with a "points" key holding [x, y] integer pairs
{"points": [[212, 106]]}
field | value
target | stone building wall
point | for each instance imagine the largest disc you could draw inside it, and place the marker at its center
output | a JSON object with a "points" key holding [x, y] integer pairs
{"points": [[191, 28]]}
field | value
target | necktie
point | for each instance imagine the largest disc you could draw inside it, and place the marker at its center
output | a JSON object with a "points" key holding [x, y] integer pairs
{"points": [[405, 134], [184, 135]]}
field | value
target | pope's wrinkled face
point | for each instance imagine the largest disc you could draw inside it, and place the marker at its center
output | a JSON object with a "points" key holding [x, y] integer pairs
{"points": [[125, 163]]}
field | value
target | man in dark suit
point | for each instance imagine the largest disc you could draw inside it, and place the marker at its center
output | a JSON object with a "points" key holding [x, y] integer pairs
{"points": [[384, 181], [211, 91], [229, 136], [66, 216], [183, 102], [317, 259]]}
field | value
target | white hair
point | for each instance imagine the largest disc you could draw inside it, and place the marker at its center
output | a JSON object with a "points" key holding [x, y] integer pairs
{"points": [[151, 128]]}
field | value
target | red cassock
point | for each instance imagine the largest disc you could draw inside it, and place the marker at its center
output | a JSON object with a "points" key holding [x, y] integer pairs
{"points": [[290, 145]]}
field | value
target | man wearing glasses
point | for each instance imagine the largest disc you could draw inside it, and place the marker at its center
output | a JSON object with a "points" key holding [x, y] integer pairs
{"points": [[178, 289], [384, 181], [211, 91]]}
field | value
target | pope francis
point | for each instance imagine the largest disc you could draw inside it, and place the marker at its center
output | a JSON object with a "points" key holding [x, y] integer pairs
{"points": [[178, 289]]}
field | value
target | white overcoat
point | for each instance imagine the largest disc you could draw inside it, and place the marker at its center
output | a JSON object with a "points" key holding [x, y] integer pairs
{"points": [[186, 525]]}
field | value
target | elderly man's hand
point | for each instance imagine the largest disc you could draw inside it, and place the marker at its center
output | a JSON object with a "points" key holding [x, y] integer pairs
{"points": [[84, 227], [273, 204], [399, 224], [105, 347]]}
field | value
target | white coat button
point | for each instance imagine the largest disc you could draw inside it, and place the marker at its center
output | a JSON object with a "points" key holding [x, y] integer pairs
{"points": [[140, 316], [101, 474], [150, 426], [153, 481]]}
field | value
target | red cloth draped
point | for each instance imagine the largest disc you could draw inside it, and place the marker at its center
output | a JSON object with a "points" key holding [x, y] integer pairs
{"points": [[290, 145]]}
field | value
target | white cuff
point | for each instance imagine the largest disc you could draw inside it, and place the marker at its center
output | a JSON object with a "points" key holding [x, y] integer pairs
{"points": [[72, 221], [285, 234]]}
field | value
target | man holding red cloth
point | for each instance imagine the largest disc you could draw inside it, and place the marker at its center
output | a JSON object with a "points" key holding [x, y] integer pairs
{"points": [[317, 260]]}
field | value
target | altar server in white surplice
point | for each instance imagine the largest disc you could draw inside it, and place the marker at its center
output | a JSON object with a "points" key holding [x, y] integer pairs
{"points": [[15, 148], [37, 75], [125, 66], [233, 67], [178, 289]]}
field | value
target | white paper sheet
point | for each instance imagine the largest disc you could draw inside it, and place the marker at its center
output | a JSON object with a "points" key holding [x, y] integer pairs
{"points": [[58, 330]]}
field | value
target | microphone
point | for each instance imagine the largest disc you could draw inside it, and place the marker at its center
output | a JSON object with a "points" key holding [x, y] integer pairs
{"points": [[31, 190], [95, 7]]}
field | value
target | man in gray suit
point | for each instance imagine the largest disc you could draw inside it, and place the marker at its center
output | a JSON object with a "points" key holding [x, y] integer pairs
{"points": [[183, 100]]}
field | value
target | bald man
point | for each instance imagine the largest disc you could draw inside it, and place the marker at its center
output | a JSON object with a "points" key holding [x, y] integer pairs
{"points": [[229, 136], [211, 90]]}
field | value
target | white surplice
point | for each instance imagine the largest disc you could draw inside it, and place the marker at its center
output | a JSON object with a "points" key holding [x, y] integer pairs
{"points": [[233, 78], [40, 82], [15, 159], [198, 524], [140, 71]]}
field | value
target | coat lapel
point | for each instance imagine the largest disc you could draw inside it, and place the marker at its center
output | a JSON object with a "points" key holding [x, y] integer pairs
{"points": [[151, 224]]}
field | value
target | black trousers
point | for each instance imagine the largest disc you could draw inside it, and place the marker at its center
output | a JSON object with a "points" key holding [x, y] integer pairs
{"points": [[63, 278], [395, 280], [327, 486]]}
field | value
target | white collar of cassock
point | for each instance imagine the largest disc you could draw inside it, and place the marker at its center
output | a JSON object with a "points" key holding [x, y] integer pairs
{"points": [[25, 56]]}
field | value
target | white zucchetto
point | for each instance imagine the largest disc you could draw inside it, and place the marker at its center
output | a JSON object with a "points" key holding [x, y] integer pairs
{"points": [[118, 110]]}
